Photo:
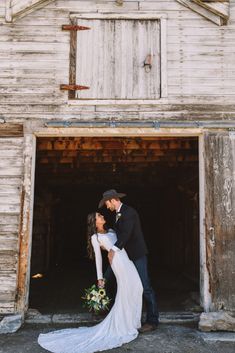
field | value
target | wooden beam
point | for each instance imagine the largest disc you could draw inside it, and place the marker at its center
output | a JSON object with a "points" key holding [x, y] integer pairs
{"points": [[72, 60], [11, 130], [23, 7], [226, 1], [204, 10], [80, 144], [26, 220], [213, 7], [119, 159]]}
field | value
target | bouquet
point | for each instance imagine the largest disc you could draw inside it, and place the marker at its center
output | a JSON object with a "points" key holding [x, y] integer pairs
{"points": [[95, 299]]}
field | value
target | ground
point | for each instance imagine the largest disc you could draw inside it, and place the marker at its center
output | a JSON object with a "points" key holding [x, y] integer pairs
{"points": [[166, 339]]}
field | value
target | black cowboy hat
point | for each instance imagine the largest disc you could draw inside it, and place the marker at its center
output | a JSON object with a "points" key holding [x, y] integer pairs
{"points": [[110, 194]]}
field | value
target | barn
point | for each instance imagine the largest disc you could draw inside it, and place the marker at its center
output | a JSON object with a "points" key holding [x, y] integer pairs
{"points": [[126, 94]]}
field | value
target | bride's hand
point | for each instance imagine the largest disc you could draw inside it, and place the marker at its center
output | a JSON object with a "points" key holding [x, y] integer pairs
{"points": [[101, 283]]}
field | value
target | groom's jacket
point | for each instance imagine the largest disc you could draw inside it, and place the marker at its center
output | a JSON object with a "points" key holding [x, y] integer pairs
{"points": [[129, 233]]}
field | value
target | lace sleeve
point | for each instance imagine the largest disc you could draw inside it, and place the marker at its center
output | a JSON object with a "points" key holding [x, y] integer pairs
{"points": [[98, 256]]}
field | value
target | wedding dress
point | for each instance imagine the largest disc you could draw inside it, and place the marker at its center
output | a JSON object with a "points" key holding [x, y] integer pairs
{"points": [[121, 324]]}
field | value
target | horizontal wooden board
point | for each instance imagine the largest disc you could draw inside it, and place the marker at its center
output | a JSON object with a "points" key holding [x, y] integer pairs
{"points": [[6, 296], [8, 243], [7, 308], [11, 143], [7, 130], [9, 228], [9, 220], [11, 182]]}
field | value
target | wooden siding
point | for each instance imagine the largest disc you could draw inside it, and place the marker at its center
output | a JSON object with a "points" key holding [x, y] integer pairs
{"points": [[220, 218], [34, 61], [11, 170]]}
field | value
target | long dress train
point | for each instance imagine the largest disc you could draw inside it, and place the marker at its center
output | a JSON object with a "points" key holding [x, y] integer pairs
{"points": [[121, 324]]}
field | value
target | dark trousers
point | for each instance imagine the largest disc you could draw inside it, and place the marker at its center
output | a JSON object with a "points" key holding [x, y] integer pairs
{"points": [[149, 295]]}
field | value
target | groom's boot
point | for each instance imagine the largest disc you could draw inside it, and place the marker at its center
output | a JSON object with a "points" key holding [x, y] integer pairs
{"points": [[147, 327]]}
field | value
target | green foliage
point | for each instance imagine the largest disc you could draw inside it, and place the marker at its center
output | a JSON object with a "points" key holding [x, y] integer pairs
{"points": [[95, 299]]}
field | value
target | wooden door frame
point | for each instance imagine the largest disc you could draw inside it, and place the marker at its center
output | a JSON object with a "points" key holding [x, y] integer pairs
{"points": [[25, 241]]}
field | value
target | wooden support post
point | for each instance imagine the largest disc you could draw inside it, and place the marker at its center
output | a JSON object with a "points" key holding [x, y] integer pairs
{"points": [[25, 232]]}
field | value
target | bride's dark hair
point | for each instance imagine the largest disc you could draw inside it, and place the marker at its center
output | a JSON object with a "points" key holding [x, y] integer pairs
{"points": [[91, 229]]}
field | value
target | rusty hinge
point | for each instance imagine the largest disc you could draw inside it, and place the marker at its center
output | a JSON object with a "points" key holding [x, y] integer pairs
{"points": [[73, 87], [74, 28]]}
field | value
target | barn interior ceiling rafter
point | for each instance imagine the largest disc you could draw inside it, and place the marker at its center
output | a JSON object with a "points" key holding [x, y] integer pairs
{"points": [[103, 153]]}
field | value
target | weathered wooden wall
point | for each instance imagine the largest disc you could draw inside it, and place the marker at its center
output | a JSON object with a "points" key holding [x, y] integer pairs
{"points": [[11, 172], [34, 61], [220, 218]]}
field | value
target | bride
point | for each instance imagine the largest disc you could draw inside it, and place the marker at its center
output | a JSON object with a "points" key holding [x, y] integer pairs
{"points": [[121, 324]]}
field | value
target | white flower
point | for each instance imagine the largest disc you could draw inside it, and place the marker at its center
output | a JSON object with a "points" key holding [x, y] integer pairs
{"points": [[118, 215]]}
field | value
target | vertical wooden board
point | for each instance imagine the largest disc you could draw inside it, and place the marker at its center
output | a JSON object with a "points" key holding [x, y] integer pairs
{"points": [[26, 220], [220, 218], [11, 171], [111, 55]]}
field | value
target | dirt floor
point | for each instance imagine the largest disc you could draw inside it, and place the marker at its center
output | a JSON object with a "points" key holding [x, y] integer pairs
{"points": [[166, 339]]}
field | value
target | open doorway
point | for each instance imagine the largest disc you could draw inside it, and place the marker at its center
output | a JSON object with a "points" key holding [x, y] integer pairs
{"points": [[160, 176]]}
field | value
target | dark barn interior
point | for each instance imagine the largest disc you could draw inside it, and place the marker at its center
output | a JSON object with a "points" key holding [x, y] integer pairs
{"points": [[160, 177]]}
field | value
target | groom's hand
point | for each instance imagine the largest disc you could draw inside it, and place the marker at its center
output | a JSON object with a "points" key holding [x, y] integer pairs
{"points": [[110, 256]]}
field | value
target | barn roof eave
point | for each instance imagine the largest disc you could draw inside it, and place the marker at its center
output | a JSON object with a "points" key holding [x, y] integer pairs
{"points": [[17, 9], [216, 11]]}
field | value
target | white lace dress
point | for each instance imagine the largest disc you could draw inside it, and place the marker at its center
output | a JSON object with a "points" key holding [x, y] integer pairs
{"points": [[120, 325]]}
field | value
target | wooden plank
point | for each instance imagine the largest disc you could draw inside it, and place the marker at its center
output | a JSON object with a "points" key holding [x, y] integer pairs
{"points": [[26, 222], [9, 183], [163, 58], [11, 130], [6, 296], [8, 243], [11, 167], [9, 228], [219, 9], [7, 308], [23, 7], [72, 60], [205, 12], [220, 218]]}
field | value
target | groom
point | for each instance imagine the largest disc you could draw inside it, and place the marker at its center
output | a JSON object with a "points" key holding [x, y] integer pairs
{"points": [[130, 237]]}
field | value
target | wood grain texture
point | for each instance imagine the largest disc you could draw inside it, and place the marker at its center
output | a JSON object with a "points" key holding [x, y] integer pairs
{"points": [[37, 56], [220, 218], [11, 170], [10, 130], [110, 59]]}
